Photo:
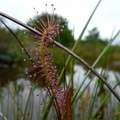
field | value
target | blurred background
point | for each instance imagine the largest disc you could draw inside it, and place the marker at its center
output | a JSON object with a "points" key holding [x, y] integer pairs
{"points": [[94, 40], [77, 12]]}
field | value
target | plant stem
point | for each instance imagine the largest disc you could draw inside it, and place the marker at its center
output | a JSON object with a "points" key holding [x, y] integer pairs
{"points": [[68, 51], [103, 102], [31, 90], [94, 64], [90, 68]]}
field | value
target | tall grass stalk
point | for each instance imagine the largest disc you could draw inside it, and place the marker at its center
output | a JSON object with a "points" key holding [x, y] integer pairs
{"points": [[77, 42], [104, 101], [2, 104], [95, 63], [15, 103], [92, 101], [112, 116], [32, 106], [14, 99], [24, 115], [8, 102]]}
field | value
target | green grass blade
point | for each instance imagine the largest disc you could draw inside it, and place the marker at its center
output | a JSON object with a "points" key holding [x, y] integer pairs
{"points": [[94, 64], [82, 91], [103, 102], [24, 114], [1, 102], [92, 101], [76, 44], [47, 108]]}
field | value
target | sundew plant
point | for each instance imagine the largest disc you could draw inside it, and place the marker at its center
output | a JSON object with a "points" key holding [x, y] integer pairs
{"points": [[43, 68], [60, 95]]}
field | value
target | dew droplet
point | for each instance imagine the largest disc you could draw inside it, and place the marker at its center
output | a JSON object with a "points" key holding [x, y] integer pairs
{"points": [[30, 58], [34, 65], [52, 4], [31, 86], [30, 75], [26, 69], [59, 20], [26, 72]]}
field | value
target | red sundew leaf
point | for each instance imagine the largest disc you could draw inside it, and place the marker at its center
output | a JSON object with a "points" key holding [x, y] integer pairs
{"points": [[68, 104], [43, 68]]}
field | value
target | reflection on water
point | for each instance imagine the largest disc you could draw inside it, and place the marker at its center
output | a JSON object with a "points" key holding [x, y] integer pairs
{"points": [[15, 95], [80, 73], [15, 102]]}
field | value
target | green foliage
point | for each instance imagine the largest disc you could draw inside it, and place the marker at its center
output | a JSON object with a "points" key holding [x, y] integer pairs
{"points": [[11, 57], [9, 47], [93, 35]]}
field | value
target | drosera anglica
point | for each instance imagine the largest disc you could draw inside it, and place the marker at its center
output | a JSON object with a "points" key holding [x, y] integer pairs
{"points": [[43, 68]]}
